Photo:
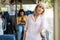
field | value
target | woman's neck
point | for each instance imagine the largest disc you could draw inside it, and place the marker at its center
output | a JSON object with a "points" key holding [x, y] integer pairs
{"points": [[22, 15], [36, 15]]}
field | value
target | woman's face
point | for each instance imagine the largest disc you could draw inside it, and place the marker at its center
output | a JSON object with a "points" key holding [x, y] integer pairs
{"points": [[39, 10], [22, 13]]}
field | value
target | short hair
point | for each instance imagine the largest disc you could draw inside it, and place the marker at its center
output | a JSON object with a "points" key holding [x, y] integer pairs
{"points": [[41, 6]]}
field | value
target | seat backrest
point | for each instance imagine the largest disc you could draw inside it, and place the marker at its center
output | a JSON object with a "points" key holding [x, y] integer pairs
{"points": [[7, 37]]}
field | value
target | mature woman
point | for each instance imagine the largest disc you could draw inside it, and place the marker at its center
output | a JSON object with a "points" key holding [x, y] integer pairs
{"points": [[35, 24]]}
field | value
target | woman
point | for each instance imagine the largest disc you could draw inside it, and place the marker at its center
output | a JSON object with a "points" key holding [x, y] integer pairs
{"points": [[21, 20], [35, 25]]}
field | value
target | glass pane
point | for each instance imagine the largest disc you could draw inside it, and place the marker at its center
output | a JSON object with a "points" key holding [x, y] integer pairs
{"points": [[14, 21]]}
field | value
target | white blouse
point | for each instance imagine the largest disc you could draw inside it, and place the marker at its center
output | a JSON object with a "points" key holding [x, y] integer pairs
{"points": [[34, 27]]}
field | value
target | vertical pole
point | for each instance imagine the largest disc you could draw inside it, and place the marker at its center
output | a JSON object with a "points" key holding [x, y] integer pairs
{"points": [[0, 5], [56, 20], [16, 17], [36, 1], [20, 5]]}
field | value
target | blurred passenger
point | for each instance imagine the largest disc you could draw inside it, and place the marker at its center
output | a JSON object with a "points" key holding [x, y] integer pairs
{"points": [[35, 25], [2, 24], [11, 11], [21, 21], [22, 18]]}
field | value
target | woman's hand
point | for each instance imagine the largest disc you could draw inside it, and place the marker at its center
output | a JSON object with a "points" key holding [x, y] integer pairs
{"points": [[42, 35]]}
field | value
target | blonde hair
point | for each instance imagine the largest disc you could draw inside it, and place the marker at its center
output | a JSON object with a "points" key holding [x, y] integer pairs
{"points": [[41, 6]]}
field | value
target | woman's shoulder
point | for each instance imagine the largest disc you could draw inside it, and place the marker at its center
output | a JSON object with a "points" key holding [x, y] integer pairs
{"points": [[25, 16]]}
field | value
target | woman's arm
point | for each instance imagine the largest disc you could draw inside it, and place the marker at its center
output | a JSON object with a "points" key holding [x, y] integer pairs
{"points": [[43, 27], [25, 29], [18, 20]]}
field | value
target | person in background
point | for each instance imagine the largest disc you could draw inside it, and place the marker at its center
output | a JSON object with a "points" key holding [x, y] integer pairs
{"points": [[21, 21], [35, 25], [11, 11], [22, 18], [2, 24]]}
